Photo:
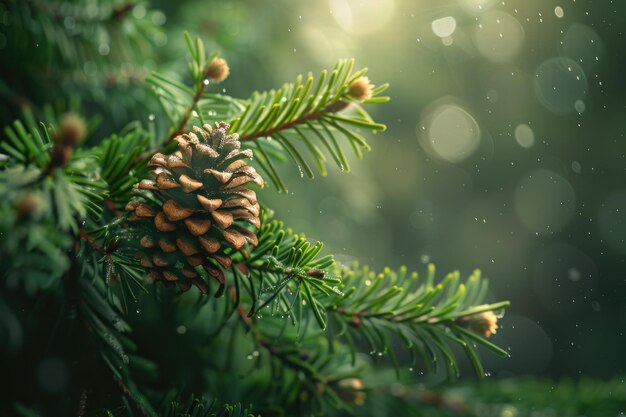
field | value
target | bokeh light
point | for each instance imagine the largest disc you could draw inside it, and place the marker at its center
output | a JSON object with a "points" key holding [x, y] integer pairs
{"points": [[583, 45], [559, 12], [444, 26], [499, 36], [544, 201], [559, 83], [450, 133], [524, 135], [362, 16]]}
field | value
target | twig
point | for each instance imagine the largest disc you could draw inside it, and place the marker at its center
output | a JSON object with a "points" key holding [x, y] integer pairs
{"points": [[91, 242], [331, 108], [300, 120], [129, 395]]}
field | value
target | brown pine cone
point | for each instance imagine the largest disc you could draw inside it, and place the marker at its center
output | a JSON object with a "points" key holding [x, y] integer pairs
{"points": [[200, 208]]}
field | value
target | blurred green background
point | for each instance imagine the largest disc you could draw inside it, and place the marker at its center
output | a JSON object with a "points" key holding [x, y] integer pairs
{"points": [[505, 148], [505, 151]]}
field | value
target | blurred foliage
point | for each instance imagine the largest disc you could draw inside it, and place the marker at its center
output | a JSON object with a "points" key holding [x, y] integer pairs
{"points": [[519, 397]]}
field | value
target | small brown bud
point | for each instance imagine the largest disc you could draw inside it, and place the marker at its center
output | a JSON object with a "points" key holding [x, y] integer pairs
{"points": [[218, 70], [72, 130], [351, 391], [485, 323], [360, 89], [28, 204]]}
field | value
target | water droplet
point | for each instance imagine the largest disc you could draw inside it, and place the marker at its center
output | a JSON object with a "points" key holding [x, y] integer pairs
{"points": [[205, 81], [151, 117]]}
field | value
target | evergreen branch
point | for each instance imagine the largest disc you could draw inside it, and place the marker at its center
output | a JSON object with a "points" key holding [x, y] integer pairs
{"points": [[296, 115], [27, 144], [129, 394], [310, 372], [65, 35], [118, 158], [377, 307], [102, 312], [300, 112], [91, 241], [180, 101], [286, 262]]}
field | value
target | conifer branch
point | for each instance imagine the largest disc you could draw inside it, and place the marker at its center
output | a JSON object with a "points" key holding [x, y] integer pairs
{"points": [[91, 241], [423, 315], [302, 120]]}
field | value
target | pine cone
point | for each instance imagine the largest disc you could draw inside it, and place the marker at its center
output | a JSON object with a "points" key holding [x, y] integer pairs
{"points": [[200, 209]]}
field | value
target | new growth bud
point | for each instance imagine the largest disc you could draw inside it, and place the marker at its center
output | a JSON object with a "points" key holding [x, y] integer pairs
{"points": [[72, 130], [351, 391], [218, 70], [485, 323], [28, 205], [360, 89]]}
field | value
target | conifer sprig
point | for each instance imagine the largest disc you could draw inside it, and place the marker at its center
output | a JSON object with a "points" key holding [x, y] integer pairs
{"points": [[303, 120], [307, 116], [185, 103], [425, 316], [286, 263]]}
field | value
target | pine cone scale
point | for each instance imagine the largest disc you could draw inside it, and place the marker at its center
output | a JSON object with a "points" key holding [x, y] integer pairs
{"points": [[200, 208]]}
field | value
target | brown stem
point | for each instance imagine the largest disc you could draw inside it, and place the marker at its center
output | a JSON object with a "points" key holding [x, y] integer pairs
{"points": [[331, 108], [129, 395], [91, 242], [269, 132]]}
